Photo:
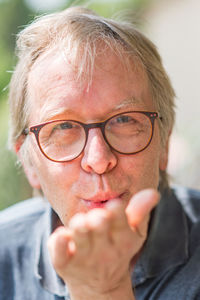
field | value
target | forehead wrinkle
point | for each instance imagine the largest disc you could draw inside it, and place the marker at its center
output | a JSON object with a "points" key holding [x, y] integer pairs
{"points": [[129, 102]]}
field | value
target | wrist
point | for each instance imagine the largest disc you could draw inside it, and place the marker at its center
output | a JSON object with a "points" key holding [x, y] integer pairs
{"points": [[122, 291]]}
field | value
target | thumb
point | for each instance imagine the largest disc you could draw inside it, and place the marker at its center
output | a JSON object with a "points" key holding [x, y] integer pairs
{"points": [[139, 208]]}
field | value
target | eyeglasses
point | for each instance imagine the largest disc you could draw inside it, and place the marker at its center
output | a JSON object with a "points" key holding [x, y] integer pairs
{"points": [[64, 140]]}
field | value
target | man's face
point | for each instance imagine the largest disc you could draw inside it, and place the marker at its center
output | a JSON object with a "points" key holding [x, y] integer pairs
{"points": [[99, 173]]}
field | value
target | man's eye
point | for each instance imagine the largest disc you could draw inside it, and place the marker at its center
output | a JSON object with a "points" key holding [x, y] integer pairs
{"points": [[59, 128], [66, 125], [123, 119], [62, 126]]}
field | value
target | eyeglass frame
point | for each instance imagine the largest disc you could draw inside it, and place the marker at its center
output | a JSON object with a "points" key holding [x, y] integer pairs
{"points": [[36, 130]]}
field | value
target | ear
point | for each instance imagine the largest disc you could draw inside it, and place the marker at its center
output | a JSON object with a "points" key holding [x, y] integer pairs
{"points": [[27, 164], [164, 154]]}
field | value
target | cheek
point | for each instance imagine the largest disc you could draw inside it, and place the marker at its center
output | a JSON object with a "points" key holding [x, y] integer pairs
{"points": [[57, 177], [57, 182], [142, 170], [57, 185]]}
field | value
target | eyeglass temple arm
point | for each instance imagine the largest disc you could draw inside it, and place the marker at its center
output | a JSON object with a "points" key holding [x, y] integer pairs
{"points": [[26, 131], [160, 116]]}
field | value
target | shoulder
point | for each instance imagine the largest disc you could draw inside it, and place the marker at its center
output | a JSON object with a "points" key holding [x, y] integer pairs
{"points": [[22, 227], [18, 223], [31, 208], [190, 202], [184, 251], [189, 199]]}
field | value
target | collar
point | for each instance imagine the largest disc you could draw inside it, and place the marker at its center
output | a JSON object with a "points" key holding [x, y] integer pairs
{"points": [[44, 270], [167, 243]]}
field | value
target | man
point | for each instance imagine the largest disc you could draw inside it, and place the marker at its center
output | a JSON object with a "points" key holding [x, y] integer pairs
{"points": [[92, 110]]}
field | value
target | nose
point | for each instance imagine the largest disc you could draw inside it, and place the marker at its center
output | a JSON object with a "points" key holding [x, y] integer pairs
{"points": [[97, 156]]}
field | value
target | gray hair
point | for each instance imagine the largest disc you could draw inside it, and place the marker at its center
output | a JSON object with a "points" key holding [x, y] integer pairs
{"points": [[81, 30]]}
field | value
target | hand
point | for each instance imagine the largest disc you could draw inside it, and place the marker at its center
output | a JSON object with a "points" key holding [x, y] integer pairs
{"points": [[93, 255]]}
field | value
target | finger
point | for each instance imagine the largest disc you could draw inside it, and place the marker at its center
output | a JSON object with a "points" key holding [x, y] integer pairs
{"points": [[120, 232], [139, 208], [61, 247], [117, 214], [80, 233], [99, 222]]}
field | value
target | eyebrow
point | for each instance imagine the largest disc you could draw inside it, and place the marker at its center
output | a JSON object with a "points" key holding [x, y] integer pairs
{"points": [[49, 112], [129, 102]]}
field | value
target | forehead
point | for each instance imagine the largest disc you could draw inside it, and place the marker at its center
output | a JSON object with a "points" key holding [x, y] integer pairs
{"points": [[53, 83], [57, 62]]}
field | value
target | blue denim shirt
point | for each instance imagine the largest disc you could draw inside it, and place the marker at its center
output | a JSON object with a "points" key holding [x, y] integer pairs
{"points": [[168, 268]]}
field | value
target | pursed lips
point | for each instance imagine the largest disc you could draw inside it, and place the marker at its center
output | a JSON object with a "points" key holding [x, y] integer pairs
{"points": [[100, 200]]}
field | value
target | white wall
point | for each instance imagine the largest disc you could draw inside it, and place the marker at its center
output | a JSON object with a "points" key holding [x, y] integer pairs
{"points": [[174, 26]]}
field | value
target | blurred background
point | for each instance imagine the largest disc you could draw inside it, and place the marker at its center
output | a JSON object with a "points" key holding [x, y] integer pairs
{"points": [[173, 25]]}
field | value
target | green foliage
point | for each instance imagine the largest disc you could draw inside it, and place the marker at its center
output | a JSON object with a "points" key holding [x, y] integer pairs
{"points": [[13, 186], [13, 14]]}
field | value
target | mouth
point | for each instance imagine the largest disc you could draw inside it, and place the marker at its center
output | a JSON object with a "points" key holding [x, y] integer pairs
{"points": [[96, 204], [100, 202]]}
